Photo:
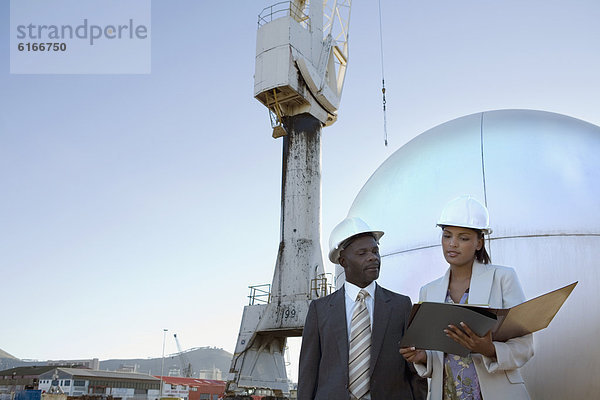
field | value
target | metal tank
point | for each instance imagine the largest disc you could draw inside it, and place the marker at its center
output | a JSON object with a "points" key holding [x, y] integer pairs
{"points": [[539, 175]]}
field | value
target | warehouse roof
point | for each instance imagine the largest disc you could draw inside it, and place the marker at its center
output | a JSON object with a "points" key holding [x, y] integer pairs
{"points": [[89, 373], [34, 370]]}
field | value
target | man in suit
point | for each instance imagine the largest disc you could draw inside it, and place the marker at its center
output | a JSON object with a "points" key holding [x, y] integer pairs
{"points": [[327, 370]]}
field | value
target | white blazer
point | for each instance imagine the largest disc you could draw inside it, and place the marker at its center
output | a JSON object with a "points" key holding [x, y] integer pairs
{"points": [[499, 378]]}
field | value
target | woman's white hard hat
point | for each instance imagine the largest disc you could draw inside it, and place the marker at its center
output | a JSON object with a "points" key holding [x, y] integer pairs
{"points": [[467, 212], [343, 231]]}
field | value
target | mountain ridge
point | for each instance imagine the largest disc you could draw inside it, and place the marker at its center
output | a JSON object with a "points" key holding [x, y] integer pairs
{"points": [[201, 358], [4, 354]]}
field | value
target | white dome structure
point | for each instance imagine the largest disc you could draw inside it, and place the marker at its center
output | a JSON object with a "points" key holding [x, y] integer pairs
{"points": [[539, 175]]}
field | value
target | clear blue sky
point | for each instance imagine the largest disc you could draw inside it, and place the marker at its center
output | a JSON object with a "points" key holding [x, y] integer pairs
{"points": [[133, 203]]}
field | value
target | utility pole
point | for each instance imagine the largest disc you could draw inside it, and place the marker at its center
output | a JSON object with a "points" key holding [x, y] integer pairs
{"points": [[162, 363]]}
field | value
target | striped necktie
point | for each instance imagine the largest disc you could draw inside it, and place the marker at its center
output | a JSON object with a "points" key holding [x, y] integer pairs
{"points": [[360, 348]]}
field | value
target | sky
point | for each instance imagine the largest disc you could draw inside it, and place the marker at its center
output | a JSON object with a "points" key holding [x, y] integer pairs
{"points": [[133, 203]]}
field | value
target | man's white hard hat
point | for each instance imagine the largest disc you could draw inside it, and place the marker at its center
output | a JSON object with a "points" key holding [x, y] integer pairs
{"points": [[345, 230], [467, 212]]}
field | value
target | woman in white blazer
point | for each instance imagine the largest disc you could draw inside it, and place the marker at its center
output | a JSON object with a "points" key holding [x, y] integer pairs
{"points": [[491, 371]]}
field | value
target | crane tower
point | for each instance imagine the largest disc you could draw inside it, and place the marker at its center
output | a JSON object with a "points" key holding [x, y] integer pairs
{"points": [[301, 59]]}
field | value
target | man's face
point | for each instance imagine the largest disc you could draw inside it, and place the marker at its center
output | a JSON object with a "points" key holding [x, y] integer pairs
{"points": [[361, 261]]}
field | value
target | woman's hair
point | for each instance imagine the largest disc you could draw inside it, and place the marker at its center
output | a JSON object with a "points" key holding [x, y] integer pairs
{"points": [[482, 255]]}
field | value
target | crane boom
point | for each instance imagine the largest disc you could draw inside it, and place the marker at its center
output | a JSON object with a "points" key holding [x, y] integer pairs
{"points": [[186, 366], [301, 59], [336, 15]]}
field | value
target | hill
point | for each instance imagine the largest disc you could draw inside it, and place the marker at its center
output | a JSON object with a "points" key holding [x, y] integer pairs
{"points": [[8, 361], [4, 354], [201, 358]]}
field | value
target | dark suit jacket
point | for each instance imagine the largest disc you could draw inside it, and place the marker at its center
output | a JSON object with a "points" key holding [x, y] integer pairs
{"points": [[323, 369]]}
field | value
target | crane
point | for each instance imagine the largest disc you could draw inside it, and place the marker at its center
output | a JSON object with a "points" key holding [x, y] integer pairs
{"points": [[301, 61], [186, 366]]}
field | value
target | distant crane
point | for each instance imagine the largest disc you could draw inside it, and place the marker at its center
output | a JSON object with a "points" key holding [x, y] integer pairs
{"points": [[186, 366]]}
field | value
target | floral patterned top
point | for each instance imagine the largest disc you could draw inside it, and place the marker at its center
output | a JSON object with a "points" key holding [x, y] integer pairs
{"points": [[460, 376]]}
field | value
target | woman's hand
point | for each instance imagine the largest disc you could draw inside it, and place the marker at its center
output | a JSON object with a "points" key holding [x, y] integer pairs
{"points": [[413, 355], [469, 339]]}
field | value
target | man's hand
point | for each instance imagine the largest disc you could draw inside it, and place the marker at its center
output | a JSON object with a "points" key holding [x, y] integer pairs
{"points": [[469, 339]]}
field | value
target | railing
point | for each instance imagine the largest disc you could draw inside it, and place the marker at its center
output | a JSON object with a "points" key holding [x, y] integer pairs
{"points": [[283, 9], [321, 286], [260, 294]]}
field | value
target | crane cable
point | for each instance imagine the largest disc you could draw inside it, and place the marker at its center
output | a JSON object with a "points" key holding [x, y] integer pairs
{"points": [[382, 79]]}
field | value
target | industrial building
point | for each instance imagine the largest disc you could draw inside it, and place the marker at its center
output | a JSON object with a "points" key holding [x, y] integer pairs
{"points": [[92, 363], [21, 378], [213, 374], [80, 382], [193, 388]]}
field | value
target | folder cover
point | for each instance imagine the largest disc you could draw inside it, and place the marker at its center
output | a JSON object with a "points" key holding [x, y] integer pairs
{"points": [[428, 320]]}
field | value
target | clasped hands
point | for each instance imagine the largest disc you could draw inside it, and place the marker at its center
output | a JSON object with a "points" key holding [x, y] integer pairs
{"points": [[465, 337]]}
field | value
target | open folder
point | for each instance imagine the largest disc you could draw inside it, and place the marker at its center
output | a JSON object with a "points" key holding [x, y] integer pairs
{"points": [[428, 320]]}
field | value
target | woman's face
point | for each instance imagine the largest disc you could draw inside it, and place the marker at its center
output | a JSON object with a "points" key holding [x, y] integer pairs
{"points": [[459, 245]]}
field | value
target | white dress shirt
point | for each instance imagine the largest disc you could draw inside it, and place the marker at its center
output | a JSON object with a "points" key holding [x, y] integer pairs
{"points": [[351, 293]]}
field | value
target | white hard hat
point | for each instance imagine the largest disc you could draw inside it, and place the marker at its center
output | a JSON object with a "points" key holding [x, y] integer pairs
{"points": [[467, 212], [343, 231]]}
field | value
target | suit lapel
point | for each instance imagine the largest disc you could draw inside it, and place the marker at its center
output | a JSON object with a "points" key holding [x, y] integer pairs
{"points": [[381, 317], [339, 326], [438, 292], [482, 278]]}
